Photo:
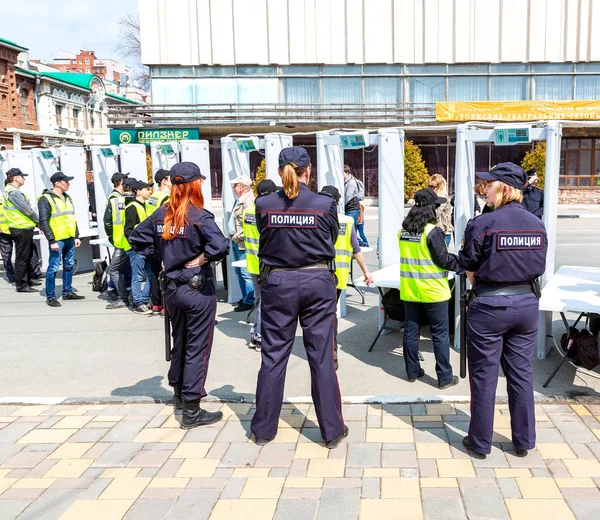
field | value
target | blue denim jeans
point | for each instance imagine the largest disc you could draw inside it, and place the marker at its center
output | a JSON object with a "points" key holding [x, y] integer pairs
{"points": [[244, 278], [66, 252], [140, 268], [360, 229]]}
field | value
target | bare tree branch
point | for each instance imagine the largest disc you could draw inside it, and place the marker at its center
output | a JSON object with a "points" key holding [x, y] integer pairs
{"points": [[130, 46]]}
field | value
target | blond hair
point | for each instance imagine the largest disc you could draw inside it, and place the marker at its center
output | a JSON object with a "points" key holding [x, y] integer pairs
{"points": [[289, 179], [438, 184], [505, 194]]}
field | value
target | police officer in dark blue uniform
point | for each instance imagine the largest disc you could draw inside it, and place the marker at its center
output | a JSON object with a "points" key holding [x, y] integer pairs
{"points": [[298, 230], [504, 253], [186, 239], [533, 197]]}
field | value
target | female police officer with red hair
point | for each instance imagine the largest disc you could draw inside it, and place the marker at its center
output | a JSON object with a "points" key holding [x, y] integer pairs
{"points": [[186, 239], [504, 252], [298, 230]]}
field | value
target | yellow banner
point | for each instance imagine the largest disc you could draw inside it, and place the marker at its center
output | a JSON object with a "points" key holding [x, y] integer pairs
{"points": [[517, 110]]}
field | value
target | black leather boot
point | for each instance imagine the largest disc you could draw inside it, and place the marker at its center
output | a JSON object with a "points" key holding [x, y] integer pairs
{"points": [[177, 400], [194, 416]]}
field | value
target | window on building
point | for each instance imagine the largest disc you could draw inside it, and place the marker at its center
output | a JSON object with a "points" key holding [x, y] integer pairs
{"points": [[553, 87], [87, 61], [73, 62], [341, 90], [59, 116], [587, 87], [509, 88], [580, 162], [468, 88], [383, 90], [80, 62], [25, 105], [426, 90], [87, 69], [301, 90], [76, 112]]}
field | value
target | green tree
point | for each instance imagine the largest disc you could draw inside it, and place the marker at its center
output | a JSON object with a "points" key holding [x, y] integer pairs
{"points": [[261, 175], [536, 158], [416, 176]]}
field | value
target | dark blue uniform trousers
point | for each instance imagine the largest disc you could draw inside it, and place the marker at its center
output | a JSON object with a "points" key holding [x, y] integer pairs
{"points": [[192, 314], [502, 331], [308, 294]]}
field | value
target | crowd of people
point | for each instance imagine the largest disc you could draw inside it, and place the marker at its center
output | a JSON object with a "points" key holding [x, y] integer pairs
{"points": [[298, 246]]}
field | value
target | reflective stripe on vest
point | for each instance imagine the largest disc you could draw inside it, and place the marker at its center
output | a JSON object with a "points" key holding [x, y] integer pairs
{"points": [[343, 251], [118, 221], [3, 224], [420, 279], [62, 217], [251, 239], [155, 201], [14, 218]]}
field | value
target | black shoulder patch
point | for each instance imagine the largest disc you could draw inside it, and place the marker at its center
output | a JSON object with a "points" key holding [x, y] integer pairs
{"points": [[250, 218], [405, 236]]}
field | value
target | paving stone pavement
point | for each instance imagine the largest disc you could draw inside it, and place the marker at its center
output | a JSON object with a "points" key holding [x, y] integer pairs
{"points": [[401, 461]]}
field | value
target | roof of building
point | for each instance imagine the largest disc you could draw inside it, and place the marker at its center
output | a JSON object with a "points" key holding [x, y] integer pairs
{"points": [[124, 99], [12, 44], [76, 79]]}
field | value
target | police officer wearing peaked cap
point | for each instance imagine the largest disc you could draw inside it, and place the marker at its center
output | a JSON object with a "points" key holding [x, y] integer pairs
{"points": [[504, 253], [187, 239], [298, 230]]}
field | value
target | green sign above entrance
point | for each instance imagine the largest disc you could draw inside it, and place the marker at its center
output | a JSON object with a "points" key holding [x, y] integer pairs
{"points": [[147, 136]]}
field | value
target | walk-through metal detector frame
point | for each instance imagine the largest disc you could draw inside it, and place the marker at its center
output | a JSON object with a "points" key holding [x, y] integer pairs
{"points": [[330, 171], [236, 162], [467, 135]]}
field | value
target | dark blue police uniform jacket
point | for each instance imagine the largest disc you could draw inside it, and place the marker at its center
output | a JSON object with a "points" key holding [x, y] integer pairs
{"points": [[200, 235], [505, 247], [298, 232], [533, 200]]}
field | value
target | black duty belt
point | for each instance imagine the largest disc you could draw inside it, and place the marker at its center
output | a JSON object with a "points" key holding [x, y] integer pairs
{"points": [[318, 265], [511, 290], [196, 282]]}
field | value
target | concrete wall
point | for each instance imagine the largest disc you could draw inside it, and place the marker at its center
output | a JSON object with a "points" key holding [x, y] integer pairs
{"points": [[229, 32]]}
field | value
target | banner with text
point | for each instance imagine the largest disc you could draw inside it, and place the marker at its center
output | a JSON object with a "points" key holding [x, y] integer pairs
{"points": [[147, 136], [517, 111]]}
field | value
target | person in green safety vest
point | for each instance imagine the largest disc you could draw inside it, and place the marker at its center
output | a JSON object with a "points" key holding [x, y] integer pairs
{"points": [[251, 238], [135, 212], [119, 270], [6, 245], [21, 219], [346, 247], [156, 200], [424, 265], [59, 225]]}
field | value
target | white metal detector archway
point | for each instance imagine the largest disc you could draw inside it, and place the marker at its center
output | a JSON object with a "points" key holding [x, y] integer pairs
{"points": [[235, 162], [330, 171], [467, 135]]}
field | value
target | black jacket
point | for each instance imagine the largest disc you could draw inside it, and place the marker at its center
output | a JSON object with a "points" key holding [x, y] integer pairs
{"points": [[436, 244], [107, 219], [45, 211], [132, 218]]}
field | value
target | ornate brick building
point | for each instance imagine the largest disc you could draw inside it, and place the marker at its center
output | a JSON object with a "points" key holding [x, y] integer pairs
{"points": [[17, 100]]}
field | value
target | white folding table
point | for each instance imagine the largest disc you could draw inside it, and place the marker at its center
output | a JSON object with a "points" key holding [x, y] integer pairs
{"points": [[571, 289]]}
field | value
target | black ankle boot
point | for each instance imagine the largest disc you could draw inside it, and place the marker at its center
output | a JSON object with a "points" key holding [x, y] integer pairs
{"points": [[177, 400], [194, 416]]}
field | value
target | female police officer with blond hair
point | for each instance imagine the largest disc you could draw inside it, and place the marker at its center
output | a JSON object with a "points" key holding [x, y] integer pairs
{"points": [[504, 253], [298, 230], [186, 239]]}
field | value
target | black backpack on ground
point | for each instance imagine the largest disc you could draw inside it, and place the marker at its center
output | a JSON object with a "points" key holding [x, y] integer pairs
{"points": [[100, 277], [393, 306]]}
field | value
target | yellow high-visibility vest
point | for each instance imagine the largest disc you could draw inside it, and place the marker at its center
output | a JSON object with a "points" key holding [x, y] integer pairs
{"points": [[155, 201], [251, 239], [62, 218], [3, 223], [421, 280], [343, 251], [118, 221], [14, 218]]}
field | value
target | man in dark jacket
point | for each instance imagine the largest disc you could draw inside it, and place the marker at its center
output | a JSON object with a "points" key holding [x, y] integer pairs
{"points": [[59, 226], [533, 197]]}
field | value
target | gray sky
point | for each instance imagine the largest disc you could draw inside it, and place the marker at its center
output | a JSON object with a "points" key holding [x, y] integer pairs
{"points": [[45, 26]]}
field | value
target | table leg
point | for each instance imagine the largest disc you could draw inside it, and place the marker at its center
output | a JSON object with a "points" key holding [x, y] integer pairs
{"points": [[378, 334], [565, 358], [351, 281]]}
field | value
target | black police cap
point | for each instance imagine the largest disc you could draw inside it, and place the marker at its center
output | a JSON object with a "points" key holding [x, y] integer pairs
{"points": [[160, 175], [60, 176], [139, 185], [184, 172], [15, 172], [428, 197], [118, 176], [508, 173], [265, 187], [331, 191], [296, 155]]}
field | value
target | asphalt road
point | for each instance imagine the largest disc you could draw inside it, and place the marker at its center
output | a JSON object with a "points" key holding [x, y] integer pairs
{"points": [[83, 350]]}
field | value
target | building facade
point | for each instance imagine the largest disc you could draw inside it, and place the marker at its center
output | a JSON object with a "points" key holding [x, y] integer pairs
{"points": [[268, 65]]}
